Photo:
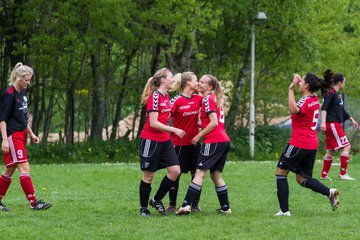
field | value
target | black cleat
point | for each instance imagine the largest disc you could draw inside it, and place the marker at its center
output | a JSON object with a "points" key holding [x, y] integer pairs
{"points": [[145, 212], [158, 206], [3, 207], [41, 205]]}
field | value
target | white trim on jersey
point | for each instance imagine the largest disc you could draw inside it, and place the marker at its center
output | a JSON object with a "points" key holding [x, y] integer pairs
{"points": [[155, 100]]}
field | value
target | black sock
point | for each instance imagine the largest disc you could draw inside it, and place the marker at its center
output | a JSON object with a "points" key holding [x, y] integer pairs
{"points": [[191, 194], [145, 189], [222, 194], [164, 187], [197, 198], [283, 192], [173, 192], [316, 186]]}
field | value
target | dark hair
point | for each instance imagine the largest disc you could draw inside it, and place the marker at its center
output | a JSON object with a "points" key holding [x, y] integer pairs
{"points": [[313, 81], [330, 79]]}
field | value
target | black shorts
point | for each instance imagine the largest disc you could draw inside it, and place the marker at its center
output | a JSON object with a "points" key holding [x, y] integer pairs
{"points": [[188, 156], [156, 155], [297, 160], [213, 156]]}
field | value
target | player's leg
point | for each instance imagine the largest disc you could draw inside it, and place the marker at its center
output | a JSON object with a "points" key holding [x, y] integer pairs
{"points": [[221, 191], [327, 165], [144, 192], [344, 161], [28, 188], [173, 192], [192, 192], [282, 191], [5, 181]]}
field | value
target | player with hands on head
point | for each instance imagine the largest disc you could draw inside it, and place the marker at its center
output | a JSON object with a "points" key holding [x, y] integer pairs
{"points": [[333, 114], [14, 130], [299, 154]]}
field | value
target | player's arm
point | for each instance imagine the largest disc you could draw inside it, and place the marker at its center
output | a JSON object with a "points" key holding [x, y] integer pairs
{"points": [[323, 120], [33, 137], [293, 108], [5, 143], [154, 123], [325, 106], [211, 126]]}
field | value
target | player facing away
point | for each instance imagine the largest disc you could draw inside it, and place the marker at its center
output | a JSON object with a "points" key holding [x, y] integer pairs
{"points": [[185, 114], [214, 149], [14, 129], [156, 148], [333, 114], [299, 154]]}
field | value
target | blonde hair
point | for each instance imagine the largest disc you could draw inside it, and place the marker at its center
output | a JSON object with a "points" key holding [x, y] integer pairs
{"points": [[19, 72], [153, 83], [180, 81], [217, 89]]}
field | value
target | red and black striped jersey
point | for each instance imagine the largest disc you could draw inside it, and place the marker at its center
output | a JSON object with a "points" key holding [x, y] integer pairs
{"points": [[185, 113], [161, 104]]}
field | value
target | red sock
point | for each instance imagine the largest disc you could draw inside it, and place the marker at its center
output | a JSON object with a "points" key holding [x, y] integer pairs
{"points": [[344, 161], [5, 182], [326, 167], [28, 188]]}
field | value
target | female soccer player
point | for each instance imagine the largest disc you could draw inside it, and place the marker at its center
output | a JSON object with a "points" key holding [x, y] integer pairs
{"points": [[299, 154], [215, 148], [333, 114], [156, 148], [14, 129], [185, 111]]}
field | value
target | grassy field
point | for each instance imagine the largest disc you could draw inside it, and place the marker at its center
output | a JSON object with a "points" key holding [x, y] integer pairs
{"points": [[100, 201]]}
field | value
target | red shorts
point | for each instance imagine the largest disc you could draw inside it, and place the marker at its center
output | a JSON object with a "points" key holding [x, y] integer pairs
{"points": [[335, 137], [17, 151]]}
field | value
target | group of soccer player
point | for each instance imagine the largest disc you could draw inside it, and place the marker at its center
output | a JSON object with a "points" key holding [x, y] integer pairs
{"points": [[198, 105], [181, 152]]}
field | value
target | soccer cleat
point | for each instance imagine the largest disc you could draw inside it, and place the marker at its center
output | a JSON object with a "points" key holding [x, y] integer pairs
{"points": [[41, 205], [227, 212], [334, 198], [195, 209], [158, 206], [3, 207], [326, 178], [145, 212], [281, 213], [170, 208], [346, 177], [183, 210]]}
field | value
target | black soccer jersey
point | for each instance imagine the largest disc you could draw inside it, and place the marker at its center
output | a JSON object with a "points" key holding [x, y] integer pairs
{"points": [[13, 110], [334, 107]]}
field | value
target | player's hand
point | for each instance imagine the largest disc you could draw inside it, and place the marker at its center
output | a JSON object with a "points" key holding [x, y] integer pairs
{"points": [[355, 124], [5, 146], [180, 133], [34, 138], [323, 127], [296, 80], [195, 140]]}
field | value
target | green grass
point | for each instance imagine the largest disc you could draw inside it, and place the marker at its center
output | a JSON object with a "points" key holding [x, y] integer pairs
{"points": [[100, 201]]}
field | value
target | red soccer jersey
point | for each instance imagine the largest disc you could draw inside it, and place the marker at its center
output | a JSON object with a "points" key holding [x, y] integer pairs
{"points": [[161, 104], [304, 123], [218, 134], [185, 112]]}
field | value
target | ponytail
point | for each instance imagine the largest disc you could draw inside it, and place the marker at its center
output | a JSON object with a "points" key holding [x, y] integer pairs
{"points": [[217, 90], [330, 79], [153, 83], [177, 84], [19, 72], [180, 81]]}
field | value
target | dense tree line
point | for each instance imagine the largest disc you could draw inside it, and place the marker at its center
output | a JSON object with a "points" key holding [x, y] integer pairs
{"points": [[93, 58]]}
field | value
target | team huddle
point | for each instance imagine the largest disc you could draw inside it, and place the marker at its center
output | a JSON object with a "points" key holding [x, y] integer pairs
{"points": [[197, 114], [181, 152]]}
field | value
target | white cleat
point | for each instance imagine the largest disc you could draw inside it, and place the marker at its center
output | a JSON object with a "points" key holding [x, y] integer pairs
{"points": [[281, 213], [227, 212], [346, 177], [183, 210], [334, 198], [326, 178]]}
